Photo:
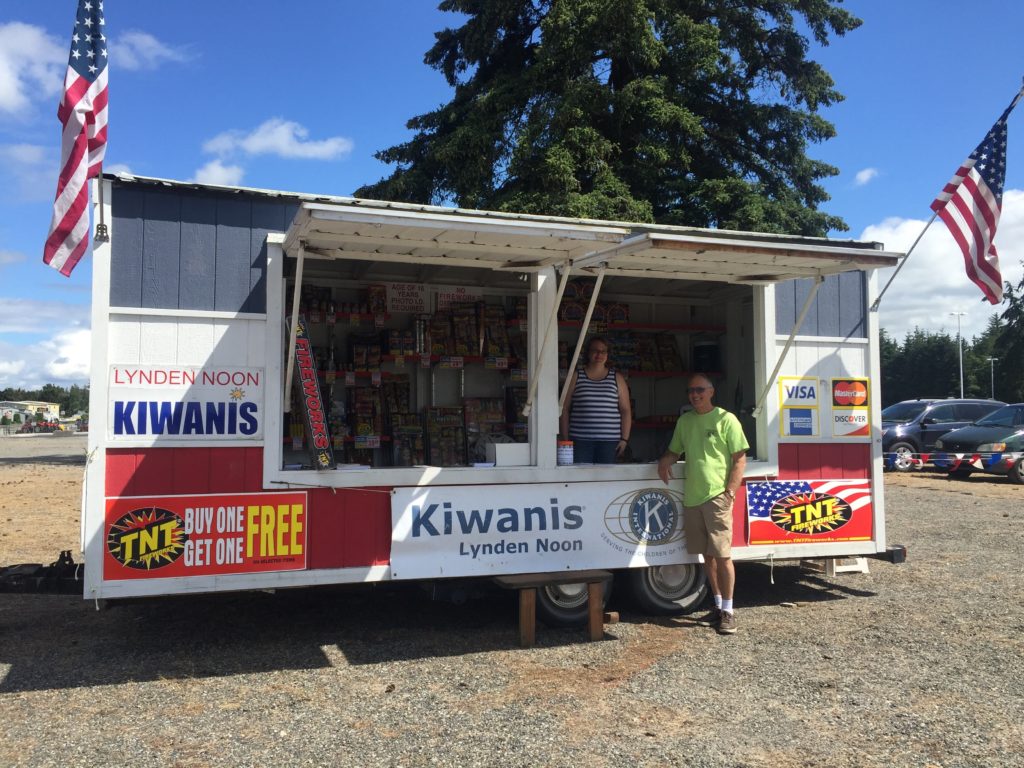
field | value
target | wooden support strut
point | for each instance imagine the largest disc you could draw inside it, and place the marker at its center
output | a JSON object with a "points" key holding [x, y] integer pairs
{"points": [[527, 585]]}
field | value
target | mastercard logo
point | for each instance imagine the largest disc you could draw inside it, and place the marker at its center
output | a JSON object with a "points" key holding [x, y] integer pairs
{"points": [[850, 393]]}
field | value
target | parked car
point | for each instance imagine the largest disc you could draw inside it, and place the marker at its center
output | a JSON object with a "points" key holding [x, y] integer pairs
{"points": [[912, 426], [998, 439]]}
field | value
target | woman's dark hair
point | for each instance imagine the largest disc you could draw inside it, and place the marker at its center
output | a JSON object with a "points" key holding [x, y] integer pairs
{"points": [[590, 343]]}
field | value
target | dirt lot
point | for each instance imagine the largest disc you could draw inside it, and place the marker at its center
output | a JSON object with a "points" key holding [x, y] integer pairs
{"points": [[914, 665]]}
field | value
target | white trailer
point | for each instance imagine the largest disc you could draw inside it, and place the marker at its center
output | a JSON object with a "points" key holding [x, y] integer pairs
{"points": [[292, 390]]}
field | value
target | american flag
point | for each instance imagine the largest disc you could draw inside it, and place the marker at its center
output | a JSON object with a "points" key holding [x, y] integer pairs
{"points": [[762, 496], [83, 115], [970, 205]]}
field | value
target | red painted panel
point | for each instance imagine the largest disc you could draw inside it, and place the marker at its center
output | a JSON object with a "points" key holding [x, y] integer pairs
{"points": [[120, 469], [739, 517], [154, 473], [349, 528], [227, 470], [857, 460], [824, 461], [192, 469]]}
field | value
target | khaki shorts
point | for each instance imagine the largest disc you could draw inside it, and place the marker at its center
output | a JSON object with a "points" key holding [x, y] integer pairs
{"points": [[708, 527]]}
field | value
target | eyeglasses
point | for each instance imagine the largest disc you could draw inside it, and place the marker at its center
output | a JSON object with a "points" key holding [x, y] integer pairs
{"points": [[697, 390]]}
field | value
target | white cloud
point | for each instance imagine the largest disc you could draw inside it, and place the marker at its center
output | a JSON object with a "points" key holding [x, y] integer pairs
{"points": [[32, 170], [864, 176], [10, 257], [66, 356], [32, 65], [284, 138], [33, 316], [215, 172], [135, 50], [934, 283], [63, 357]]}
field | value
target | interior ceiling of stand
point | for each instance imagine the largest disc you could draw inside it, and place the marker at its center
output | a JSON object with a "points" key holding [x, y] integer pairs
{"points": [[451, 247]]}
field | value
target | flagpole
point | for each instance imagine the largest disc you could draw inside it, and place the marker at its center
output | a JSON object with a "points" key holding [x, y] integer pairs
{"points": [[874, 306]]}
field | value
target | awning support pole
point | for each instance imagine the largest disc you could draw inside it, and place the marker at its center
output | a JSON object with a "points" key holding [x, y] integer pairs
{"points": [[579, 342], [789, 342], [293, 330], [535, 379], [876, 302]]}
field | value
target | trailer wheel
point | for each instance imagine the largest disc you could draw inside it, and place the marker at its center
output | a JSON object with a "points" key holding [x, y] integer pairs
{"points": [[668, 590], [565, 605]]}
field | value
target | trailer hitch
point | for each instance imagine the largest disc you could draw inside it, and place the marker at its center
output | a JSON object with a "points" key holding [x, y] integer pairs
{"points": [[63, 576]]}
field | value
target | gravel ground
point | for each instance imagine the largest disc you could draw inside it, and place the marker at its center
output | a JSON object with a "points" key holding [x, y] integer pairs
{"points": [[919, 664]]}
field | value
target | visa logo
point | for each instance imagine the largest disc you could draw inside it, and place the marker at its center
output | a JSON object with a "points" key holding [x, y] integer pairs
{"points": [[801, 391]]}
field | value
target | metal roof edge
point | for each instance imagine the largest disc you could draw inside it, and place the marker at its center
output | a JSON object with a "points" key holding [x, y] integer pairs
{"points": [[635, 228]]}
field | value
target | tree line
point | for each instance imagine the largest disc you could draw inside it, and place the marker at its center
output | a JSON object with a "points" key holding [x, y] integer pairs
{"points": [[72, 400], [927, 364]]}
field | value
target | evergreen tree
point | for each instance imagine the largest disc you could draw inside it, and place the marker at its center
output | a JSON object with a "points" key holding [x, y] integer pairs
{"points": [[696, 112], [1010, 346]]}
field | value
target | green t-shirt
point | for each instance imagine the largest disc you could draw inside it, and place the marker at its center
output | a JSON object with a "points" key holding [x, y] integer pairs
{"points": [[709, 440]]}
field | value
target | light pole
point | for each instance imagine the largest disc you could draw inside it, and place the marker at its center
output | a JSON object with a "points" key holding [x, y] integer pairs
{"points": [[960, 349], [992, 373]]}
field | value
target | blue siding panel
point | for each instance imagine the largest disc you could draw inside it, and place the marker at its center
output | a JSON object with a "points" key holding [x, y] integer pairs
{"points": [[126, 247], [267, 216], [838, 309], [198, 252], [853, 293], [234, 220], [161, 249], [828, 307]]}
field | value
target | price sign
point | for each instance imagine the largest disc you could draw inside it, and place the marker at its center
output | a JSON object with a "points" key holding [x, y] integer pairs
{"points": [[350, 378], [375, 378], [367, 441], [518, 374], [496, 363], [424, 361], [451, 361]]}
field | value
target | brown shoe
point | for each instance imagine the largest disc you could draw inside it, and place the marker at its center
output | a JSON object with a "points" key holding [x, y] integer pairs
{"points": [[727, 624], [709, 619]]}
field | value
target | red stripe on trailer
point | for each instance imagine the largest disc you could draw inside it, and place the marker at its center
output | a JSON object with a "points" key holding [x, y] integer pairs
{"points": [[350, 528], [739, 517], [824, 461]]}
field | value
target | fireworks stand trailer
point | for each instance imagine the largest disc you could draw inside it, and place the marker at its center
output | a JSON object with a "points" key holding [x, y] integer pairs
{"points": [[291, 390]]}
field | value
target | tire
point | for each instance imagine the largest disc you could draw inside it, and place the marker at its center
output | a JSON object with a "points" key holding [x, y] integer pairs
{"points": [[565, 605], [667, 590], [1016, 473], [903, 461]]}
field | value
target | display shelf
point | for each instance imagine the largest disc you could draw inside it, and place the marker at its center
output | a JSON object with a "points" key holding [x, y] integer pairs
{"points": [[653, 327]]}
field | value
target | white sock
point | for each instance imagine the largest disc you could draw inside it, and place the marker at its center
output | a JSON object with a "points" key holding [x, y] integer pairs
{"points": [[718, 602], [727, 606]]}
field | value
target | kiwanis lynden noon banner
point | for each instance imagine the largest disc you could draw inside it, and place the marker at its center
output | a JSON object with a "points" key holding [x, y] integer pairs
{"points": [[487, 530]]}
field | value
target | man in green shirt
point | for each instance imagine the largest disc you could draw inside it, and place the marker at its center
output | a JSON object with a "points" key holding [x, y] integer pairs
{"points": [[715, 448]]}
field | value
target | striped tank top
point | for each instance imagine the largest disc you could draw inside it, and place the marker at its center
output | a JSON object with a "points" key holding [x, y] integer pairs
{"points": [[595, 408]]}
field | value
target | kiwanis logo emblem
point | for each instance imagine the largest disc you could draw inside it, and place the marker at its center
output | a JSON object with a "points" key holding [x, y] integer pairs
{"points": [[650, 516]]}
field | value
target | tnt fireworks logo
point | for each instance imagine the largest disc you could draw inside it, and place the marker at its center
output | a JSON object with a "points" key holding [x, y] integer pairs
{"points": [[147, 538], [800, 507], [651, 516]]}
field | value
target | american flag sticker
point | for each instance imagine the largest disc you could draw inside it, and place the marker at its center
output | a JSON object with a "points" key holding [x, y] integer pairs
{"points": [[809, 511]]}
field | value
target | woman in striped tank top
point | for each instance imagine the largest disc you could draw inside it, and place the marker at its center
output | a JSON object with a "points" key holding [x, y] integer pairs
{"points": [[597, 416]]}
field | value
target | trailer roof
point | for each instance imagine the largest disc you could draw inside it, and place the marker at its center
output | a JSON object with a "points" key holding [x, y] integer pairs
{"points": [[424, 238]]}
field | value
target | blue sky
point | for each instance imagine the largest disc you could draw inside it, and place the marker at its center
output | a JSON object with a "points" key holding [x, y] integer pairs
{"points": [[245, 93]]}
